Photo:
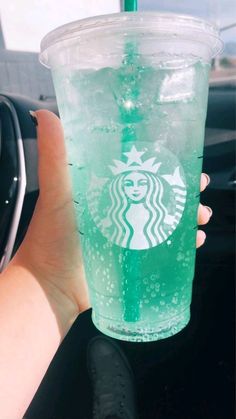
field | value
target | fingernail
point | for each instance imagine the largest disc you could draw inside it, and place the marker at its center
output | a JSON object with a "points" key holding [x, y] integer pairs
{"points": [[201, 238], [209, 210], [203, 235], [207, 178], [33, 117]]}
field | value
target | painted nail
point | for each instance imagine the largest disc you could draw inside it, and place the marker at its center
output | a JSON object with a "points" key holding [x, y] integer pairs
{"points": [[207, 178], [209, 210], [33, 117]]}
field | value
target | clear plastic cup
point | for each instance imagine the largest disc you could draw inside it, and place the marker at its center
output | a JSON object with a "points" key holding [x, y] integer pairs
{"points": [[132, 92]]}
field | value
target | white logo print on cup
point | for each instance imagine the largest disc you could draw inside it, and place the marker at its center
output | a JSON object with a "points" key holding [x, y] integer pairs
{"points": [[130, 208]]}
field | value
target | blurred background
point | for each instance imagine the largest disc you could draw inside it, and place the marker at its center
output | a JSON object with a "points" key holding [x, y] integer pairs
{"points": [[24, 23]]}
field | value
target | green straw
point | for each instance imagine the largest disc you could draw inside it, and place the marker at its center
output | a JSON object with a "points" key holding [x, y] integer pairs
{"points": [[132, 272], [130, 5]]}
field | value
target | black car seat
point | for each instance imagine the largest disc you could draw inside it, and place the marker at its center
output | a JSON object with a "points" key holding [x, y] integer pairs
{"points": [[18, 170]]}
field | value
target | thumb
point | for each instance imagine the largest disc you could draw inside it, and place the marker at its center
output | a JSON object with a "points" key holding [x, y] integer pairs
{"points": [[54, 181], [53, 226]]}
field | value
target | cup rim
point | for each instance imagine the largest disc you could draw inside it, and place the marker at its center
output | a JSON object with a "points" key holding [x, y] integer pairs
{"points": [[159, 22]]}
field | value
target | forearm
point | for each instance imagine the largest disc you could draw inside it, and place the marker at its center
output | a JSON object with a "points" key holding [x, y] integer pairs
{"points": [[29, 337]]}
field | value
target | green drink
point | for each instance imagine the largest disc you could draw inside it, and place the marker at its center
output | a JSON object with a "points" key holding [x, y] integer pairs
{"points": [[134, 128]]}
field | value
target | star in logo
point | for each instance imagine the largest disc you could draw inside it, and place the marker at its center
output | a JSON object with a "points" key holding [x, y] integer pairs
{"points": [[135, 163], [134, 156]]}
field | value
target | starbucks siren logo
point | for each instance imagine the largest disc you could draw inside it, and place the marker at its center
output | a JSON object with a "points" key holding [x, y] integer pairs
{"points": [[137, 207]]}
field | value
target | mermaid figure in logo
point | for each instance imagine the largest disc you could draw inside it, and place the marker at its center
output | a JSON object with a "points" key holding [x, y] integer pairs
{"points": [[137, 211], [137, 217]]}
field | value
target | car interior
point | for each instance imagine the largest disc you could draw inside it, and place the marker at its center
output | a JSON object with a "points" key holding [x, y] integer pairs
{"points": [[197, 379]]}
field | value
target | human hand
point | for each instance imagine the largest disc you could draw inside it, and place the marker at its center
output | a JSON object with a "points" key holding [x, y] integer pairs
{"points": [[43, 289], [51, 248]]}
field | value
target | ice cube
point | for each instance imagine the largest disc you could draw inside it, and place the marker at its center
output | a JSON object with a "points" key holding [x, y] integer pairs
{"points": [[178, 85]]}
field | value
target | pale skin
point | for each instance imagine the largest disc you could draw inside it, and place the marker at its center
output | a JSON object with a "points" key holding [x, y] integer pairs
{"points": [[43, 289]]}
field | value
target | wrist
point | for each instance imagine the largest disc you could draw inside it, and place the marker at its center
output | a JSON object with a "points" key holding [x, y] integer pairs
{"points": [[42, 292]]}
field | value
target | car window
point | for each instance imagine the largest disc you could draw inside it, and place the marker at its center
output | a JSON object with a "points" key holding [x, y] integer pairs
{"points": [[24, 23]]}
